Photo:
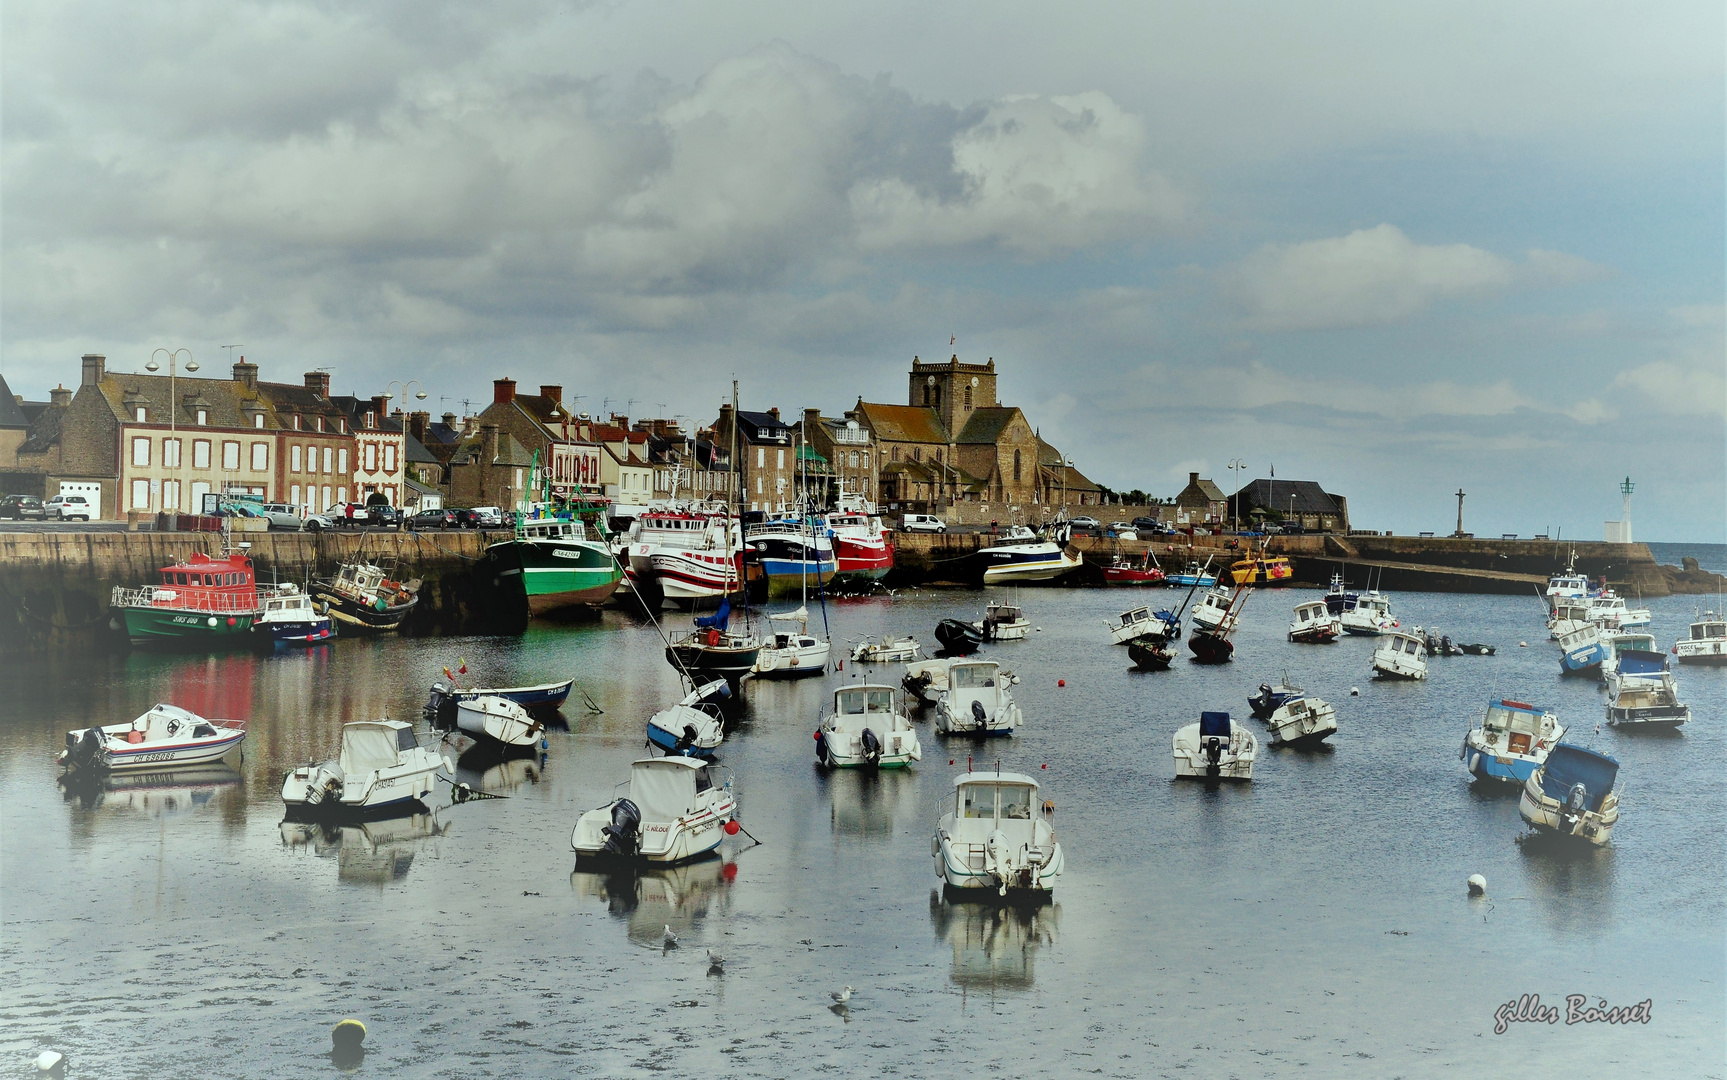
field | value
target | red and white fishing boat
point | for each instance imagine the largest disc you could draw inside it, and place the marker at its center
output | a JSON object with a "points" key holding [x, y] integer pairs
{"points": [[685, 554], [862, 547], [165, 737], [1125, 571]]}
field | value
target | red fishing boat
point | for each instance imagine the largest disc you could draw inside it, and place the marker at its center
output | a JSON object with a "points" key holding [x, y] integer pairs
{"points": [[213, 600], [1125, 571]]}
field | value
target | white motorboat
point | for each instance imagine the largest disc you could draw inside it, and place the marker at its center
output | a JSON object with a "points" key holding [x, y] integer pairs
{"points": [[791, 652], [977, 701], [498, 718], [1567, 617], [1302, 722], [1213, 611], [1004, 622], [926, 680], [1642, 692], [693, 727], [995, 833], [1214, 748], [1513, 740], [1314, 624], [673, 812], [1584, 652], [1401, 656], [382, 767], [1370, 617], [1707, 643], [1141, 622], [1610, 610], [866, 730], [1567, 587], [889, 650], [166, 737], [1619, 642], [1571, 795], [289, 618], [1021, 556]]}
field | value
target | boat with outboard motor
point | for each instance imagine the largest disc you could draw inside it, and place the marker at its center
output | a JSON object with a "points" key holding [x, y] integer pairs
{"points": [[1401, 656], [382, 769], [711, 650], [1271, 698], [1571, 795], [996, 833], [673, 812], [1004, 622], [1643, 693], [1021, 555], [791, 652], [1213, 609], [926, 680], [977, 701], [1302, 722], [695, 726], [1707, 643], [958, 637], [1213, 646], [1214, 748], [165, 737], [1583, 652], [1151, 652], [889, 650], [1314, 624], [866, 729], [362, 597], [1513, 740]]}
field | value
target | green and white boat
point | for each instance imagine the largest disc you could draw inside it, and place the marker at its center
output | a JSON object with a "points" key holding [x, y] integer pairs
{"points": [[202, 602], [555, 565]]}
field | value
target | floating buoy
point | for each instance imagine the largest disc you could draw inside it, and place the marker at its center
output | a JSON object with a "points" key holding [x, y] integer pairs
{"points": [[345, 1044], [1045, 765], [732, 828], [1037, 629], [1061, 682], [1477, 885], [1523, 644], [1355, 691], [51, 1062]]}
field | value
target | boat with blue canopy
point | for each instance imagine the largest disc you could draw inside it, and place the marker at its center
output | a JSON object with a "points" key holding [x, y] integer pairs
{"points": [[1215, 748], [1572, 795], [1513, 740], [1642, 692]]}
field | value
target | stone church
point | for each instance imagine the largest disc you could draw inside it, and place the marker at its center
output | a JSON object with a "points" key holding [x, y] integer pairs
{"points": [[954, 442]]}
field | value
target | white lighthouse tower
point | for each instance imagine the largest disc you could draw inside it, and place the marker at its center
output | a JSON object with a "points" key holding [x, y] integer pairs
{"points": [[1619, 532]]}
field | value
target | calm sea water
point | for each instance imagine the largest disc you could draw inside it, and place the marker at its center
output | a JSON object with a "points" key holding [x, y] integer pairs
{"points": [[1708, 556], [1313, 923]]}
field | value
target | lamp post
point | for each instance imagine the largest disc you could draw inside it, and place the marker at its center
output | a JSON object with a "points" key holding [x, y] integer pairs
{"points": [[402, 460], [1235, 467], [173, 404]]}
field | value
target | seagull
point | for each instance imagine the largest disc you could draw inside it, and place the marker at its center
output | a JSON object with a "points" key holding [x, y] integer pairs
{"points": [[671, 941], [716, 962], [841, 996]]}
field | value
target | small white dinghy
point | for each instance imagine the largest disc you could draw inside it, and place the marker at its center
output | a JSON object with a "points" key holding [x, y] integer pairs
{"points": [[977, 701], [165, 737], [866, 730], [382, 767], [693, 727], [889, 650], [1302, 722], [499, 719], [792, 652], [926, 680], [1212, 611], [1135, 623], [1400, 656], [672, 813], [995, 833], [1215, 748]]}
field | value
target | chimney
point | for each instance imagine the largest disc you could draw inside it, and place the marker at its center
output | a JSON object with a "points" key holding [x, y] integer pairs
{"points": [[246, 373], [812, 420], [450, 420], [1193, 479], [417, 424], [59, 397], [775, 413], [503, 391], [488, 443], [318, 382], [381, 406], [553, 394], [95, 366]]}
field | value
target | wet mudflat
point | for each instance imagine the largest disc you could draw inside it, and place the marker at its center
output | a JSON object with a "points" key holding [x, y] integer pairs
{"points": [[1312, 923]]}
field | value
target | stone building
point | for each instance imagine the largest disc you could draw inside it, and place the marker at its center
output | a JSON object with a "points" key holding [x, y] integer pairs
{"points": [[1301, 502], [314, 462], [847, 448], [1201, 502], [541, 423], [767, 463], [378, 451], [490, 468]]}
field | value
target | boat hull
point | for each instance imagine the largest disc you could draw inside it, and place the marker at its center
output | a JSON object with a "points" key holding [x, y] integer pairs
{"points": [[171, 626], [791, 577], [554, 573], [1150, 656], [1122, 575], [299, 632], [1007, 566], [357, 616], [1211, 649], [1655, 716], [963, 874], [856, 561], [689, 576], [125, 757], [717, 661]]}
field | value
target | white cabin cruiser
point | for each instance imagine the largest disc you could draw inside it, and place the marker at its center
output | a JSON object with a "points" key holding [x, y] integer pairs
{"points": [[498, 718], [1642, 693], [889, 650], [693, 727], [1572, 795], [1213, 611], [672, 813], [1314, 624], [1610, 610], [382, 767], [926, 680], [1584, 652], [792, 652], [1567, 617], [1513, 740], [1302, 722], [996, 834], [1567, 587], [1141, 622], [1214, 748], [1004, 622], [1021, 556], [1618, 642], [977, 701], [166, 737], [1707, 643], [866, 729], [1371, 615], [1402, 656]]}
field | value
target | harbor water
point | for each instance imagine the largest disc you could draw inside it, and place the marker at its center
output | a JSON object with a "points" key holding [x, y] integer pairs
{"points": [[1312, 923]]}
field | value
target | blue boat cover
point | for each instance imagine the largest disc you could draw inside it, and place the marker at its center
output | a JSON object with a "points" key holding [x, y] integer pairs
{"points": [[1568, 765], [1214, 723], [716, 621], [1641, 662]]}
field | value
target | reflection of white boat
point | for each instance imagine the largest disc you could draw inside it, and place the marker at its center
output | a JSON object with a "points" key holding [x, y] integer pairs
{"points": [[165, 737], [977, 701], [159, 794], [651, 898], [994, 945], [497, 770], [1402, 656], [367, 853], [926, 680], [500, 719], [692, 727], [381, 767], [889, 650], [866, 729], [1572, 795], [871, 804], [672, 813], [792, 652], [1302, 722], [1214, 748], [995, 834]]}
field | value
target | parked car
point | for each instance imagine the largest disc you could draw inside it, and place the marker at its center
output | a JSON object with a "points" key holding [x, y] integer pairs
{"points": [[923, 523], [319, 522], [1085, 521], [20, 507], [1147, 523], [68, 508], [434, 519], [282, 516], [489, 517], [385, 515], [1293, 529], [350, 514], [465, 518]]}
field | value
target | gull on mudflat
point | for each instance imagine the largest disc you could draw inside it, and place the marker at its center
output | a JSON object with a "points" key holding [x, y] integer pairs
{"points": [[715, 959], [671, 938], [841, 996]]}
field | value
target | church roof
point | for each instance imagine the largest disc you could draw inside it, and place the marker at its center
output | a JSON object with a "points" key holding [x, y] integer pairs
{"points": [[904, 423], [985, 425]]}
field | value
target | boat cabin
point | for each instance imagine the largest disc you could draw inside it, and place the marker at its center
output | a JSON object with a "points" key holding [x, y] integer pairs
{"points": [[1709, 629], [1315, 612], [370, 745], [1407, 644], [286, 601], [1003, 613], [987, 802], [1520, 724], [860, 707], [1579, 637], [666, 788], [551, 529], [1136, 616], [201, 583]]}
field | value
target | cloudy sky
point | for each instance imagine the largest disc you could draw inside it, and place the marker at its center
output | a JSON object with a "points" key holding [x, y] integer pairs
{"points": [[1394, 248]]}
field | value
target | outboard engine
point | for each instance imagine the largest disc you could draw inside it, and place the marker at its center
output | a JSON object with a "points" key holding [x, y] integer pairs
{"points": [[871, 747], [622, 834], [686, 740], [823, 755], [1576, 802], [85, 751], [1211, 748], [978, 714]]}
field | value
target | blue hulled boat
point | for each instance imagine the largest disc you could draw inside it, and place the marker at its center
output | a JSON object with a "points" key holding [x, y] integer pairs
{"points": [[1513, 740], [1584, 651]]}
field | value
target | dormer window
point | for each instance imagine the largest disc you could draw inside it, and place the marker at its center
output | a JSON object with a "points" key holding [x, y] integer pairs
{"points": [[203, 417], [320, 423], [258, 420], [139, 414], [342, 425], [371, 419]]}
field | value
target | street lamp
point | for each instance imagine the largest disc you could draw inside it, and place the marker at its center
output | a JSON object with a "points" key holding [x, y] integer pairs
{"points": [[401, 495], [1235, 466], [411, 382], [173, 400]]}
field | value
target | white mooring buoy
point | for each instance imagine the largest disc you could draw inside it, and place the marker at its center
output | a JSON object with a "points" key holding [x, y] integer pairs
{"points": [[1477, 885]]}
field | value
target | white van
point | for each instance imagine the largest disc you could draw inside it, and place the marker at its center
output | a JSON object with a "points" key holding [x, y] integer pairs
{"points": [[923, 523]]}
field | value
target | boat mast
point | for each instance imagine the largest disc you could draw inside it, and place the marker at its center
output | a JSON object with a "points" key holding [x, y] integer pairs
{"points": [[734, 498]]}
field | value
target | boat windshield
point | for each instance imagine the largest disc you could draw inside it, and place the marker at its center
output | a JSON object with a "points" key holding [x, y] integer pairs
{"points": [[971, 676], [981, 801], [1128, 618], [859, 700], [1501, 718]]}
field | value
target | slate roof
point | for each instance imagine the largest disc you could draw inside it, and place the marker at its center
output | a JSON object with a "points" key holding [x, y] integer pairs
{"points": [[224, 400], [763, 427], [11, 413], [904, 423], [290, 398], [1200, 492], [985, 425], [1310, 498], [358, 407], [44, 433], [510, 452], [414, 451]]}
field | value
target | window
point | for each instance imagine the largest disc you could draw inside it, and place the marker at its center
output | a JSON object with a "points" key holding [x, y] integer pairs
{"points": [[294, 492], [258, 420], [171, 453], [390, 457], [294, 458], [326, 505], [371, 457], [518, 479], [866, 459], [342, 425], [260, 456], [758, 485], [371, 419], [296, 421], [1016, 466], [201, 454], [320, 423], [203, 417], [326, 456], [852, 459], [170, 494], [341, 495], [140, 495], [342, 461], [761, 458], [1015, 801], [977, 801], [140, 451], [779, 459], [230, 456], [200, 488], [138, 415], [917, 453]]}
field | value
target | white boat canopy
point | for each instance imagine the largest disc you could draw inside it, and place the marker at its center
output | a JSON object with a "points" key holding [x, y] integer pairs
{"points": [[664, 789], [374, 745]]}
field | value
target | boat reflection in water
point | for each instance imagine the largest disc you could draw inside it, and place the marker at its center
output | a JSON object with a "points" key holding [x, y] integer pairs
{"points": [[995, 946], [649, 900], [366, 853], [867, 803], [494, 768], [159, 794]]}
